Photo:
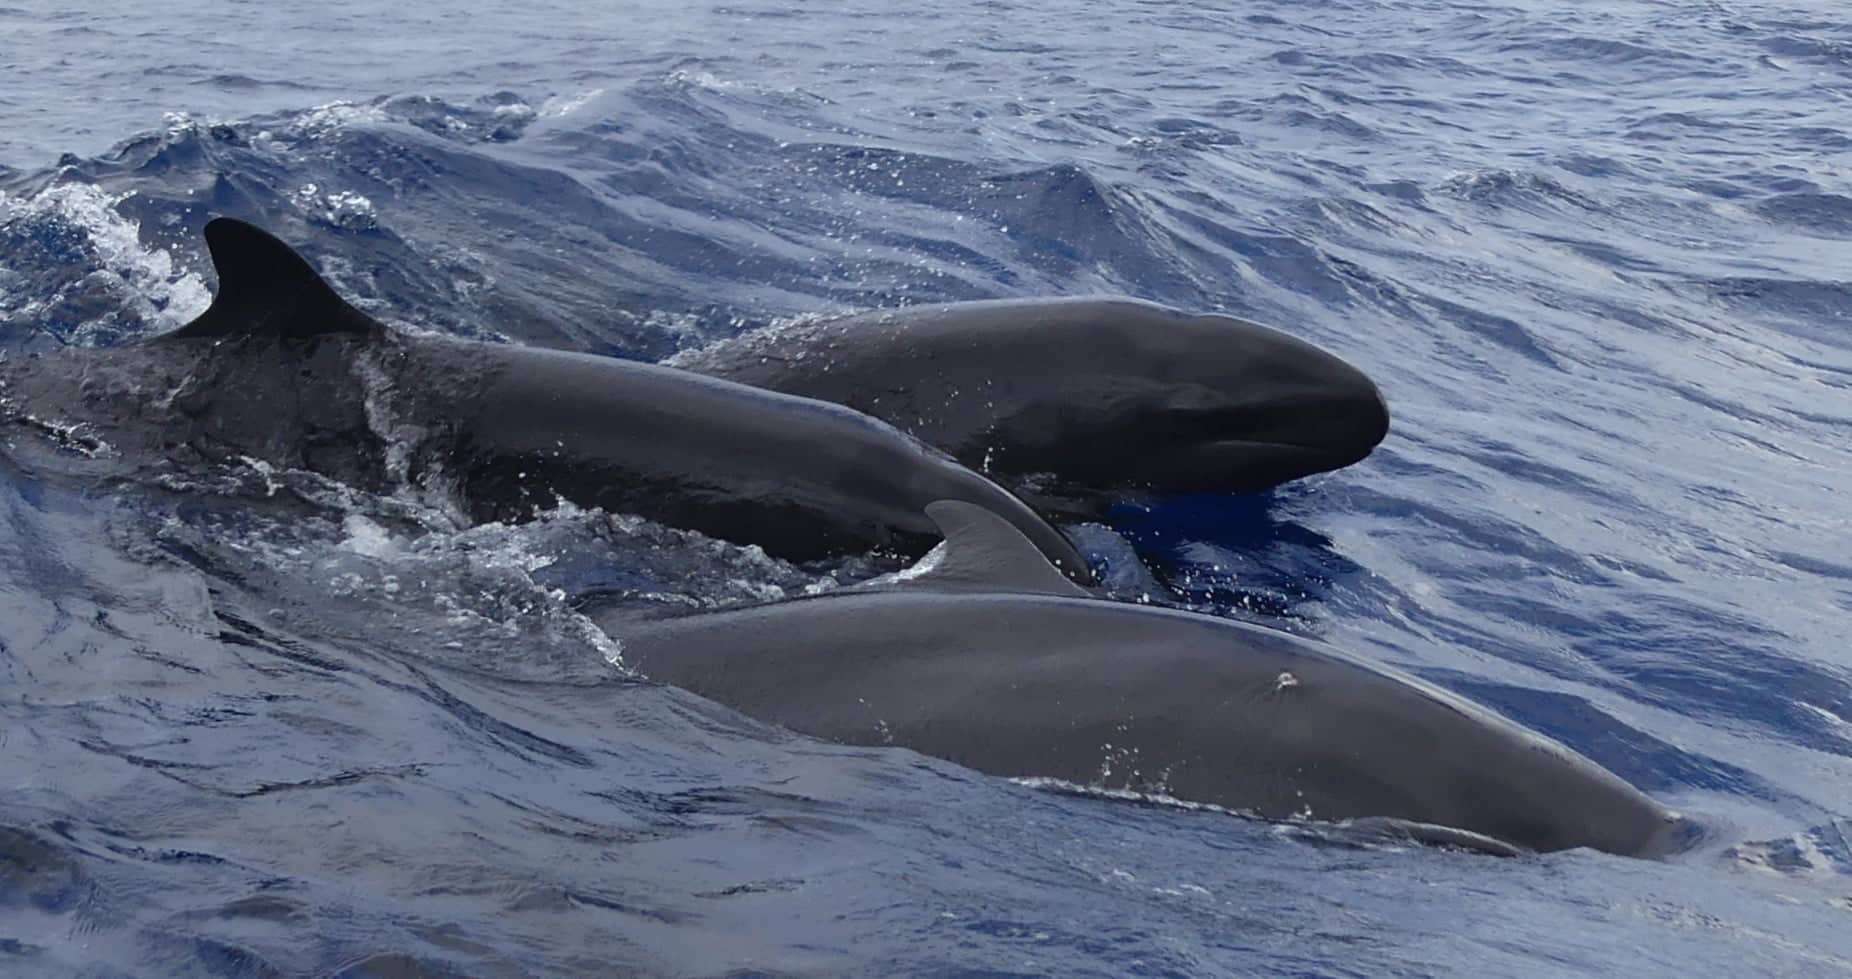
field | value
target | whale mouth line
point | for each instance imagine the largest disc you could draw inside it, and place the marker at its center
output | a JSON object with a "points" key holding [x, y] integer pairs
{"points": [[1333, 432], [1267, 443], [1344, 426], [1244, 465], [1353, 451]]}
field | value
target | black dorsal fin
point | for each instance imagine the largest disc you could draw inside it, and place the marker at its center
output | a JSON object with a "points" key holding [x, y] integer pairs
{"points": [[984, 552], [266, 289]]}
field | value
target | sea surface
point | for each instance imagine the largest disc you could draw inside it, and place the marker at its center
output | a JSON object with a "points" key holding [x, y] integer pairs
{"points": [[1597, 255]]}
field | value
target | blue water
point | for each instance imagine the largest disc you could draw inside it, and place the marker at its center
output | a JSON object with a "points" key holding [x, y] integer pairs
{"points": [[255, 723]]}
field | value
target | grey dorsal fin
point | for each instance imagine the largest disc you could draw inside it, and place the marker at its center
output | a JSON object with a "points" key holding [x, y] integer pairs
{"points": [[984, 552], [266, 289]]}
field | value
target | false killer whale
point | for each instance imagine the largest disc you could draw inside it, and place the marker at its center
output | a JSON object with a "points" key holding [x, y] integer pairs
{"points": [[282, 370], [984, 655], [1073, 402]]}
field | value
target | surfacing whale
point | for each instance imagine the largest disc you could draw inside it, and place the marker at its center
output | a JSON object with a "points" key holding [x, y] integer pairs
{"points": [[282, 370], [986, 656], [1074, 402]]}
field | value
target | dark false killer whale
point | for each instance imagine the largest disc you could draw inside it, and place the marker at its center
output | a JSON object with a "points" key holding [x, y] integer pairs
{"points": [[986, 656], [281, 369], [1076, 402]]}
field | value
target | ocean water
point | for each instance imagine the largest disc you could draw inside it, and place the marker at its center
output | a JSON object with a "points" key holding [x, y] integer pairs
{"points": [[254, 723]]}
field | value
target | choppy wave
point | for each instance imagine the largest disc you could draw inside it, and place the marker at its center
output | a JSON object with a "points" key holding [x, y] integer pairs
{"points": [[260, 723]]}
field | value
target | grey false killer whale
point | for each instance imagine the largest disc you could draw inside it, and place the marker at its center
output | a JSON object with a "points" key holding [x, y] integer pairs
{"points": [[281, 369], [1076, 402], [986, 656]]}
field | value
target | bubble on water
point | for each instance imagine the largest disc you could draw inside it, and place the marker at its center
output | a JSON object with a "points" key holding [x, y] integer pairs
{"points": [[159, 291]]}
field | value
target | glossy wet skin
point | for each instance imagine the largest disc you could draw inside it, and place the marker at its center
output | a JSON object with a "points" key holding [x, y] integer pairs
{"points": [[802, 478], [281, 369], [1102, 395], [1150, 699], [989, 658]]}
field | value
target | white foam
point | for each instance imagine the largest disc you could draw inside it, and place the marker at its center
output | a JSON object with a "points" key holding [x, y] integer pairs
{"points": [[558, 106], [165, 293], [335, 116], [787, 336], [1128, 795], [341, 209], [918, 569], [366, 537], [700, 79]]}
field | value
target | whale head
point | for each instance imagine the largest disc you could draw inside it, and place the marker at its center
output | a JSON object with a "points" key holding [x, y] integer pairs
{"points": [[1075, 400], [1143, 397], [1245, 407]]}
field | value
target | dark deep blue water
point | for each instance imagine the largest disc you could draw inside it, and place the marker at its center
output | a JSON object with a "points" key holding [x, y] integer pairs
{"points": [[1596, 255]]}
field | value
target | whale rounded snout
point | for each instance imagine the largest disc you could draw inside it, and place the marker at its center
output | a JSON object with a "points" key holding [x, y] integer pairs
{"points": [[1268, 408], [1357, 416]]}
